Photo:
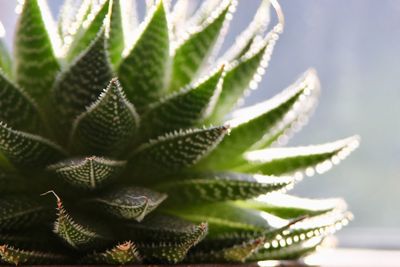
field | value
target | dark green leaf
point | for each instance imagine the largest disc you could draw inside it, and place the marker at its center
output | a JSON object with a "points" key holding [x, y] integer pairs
{"points": [[184, 109], [252, 124], [214, 187], [191, 55], [88, 173], [28, 150], [176, 151], [81, 84], [16, 256], [85, 35], [17, 212], [35, 63], [131, 203], [142, 72], [108, 125], [310, 159], [17, 109], [124, 253]]}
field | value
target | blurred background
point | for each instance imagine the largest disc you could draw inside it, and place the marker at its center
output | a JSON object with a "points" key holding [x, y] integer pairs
{"points": [[355, 47]]}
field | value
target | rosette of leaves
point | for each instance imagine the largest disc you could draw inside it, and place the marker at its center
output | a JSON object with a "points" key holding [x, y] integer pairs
{"points": [[131, 127]]}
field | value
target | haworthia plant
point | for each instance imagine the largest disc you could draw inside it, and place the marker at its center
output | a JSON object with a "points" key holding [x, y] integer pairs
{"points": [[132, 127]]}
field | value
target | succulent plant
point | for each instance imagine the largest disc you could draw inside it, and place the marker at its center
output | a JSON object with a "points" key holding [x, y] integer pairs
{"points": [[130, 126]]}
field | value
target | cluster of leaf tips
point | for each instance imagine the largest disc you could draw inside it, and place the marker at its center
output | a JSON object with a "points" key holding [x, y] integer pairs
{"points": [[130, 126]]}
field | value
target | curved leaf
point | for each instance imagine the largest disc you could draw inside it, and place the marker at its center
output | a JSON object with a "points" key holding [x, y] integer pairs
{"points": [[124, 253], [176, 151], [16, 256], [28, 150], [191, 55], [17, 109], [131, 203], [35, 63], [184, 109], [142, 72], [88, 173], [81, 84], [310, 159], [108, 125], [215, 187]]}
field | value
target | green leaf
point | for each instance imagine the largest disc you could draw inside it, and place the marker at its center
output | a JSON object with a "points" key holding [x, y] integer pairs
{"points": [[74, 234], [240, 73], [130, 203], [216, 187], [28, 150], [142, 72], [40, 238], [88, 173], [184, 109], [5, 59], [192, 54], [88, 30], [176, 151], [35, 63], [308, 160], [116, 42], [16, 256], [163, 238], [17, 109], [108, 126], [290, 207], [81, 84], [18, 212], [252, 124], [236, 253], [124, 253]]}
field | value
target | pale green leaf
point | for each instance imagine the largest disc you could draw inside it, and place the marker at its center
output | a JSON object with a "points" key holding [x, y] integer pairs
{"points": [[35, 63], [130, 203], [108, 126], [88, 173], [28, 150], [192, 54], [142, 72], [81, 84], [116, 42], [176, 151], [88, 30], [308, 160], [17, 109], [5, 59], [215, 187], [182, 110]]}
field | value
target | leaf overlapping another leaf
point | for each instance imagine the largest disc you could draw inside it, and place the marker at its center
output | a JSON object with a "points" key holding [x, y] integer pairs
{"points": [[12, 255], [121, 254]]}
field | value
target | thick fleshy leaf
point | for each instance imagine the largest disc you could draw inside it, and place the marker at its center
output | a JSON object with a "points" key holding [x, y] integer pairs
{"points": [[290, 207], [240, 73], [176, 151], [12, 183], [88, 173], [74, 234], [18, 212], [81, 84], [191, 55], [88, 30], [17, 109], [115, 39], [307, 160], [215, 187], [250, 125], [142, 72], [124, 253], [41, 238], [184, 109], [108, 126], [28, 150], [236, 253], [12, 255], [131, 203], [35, 63], [5, 59]]}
